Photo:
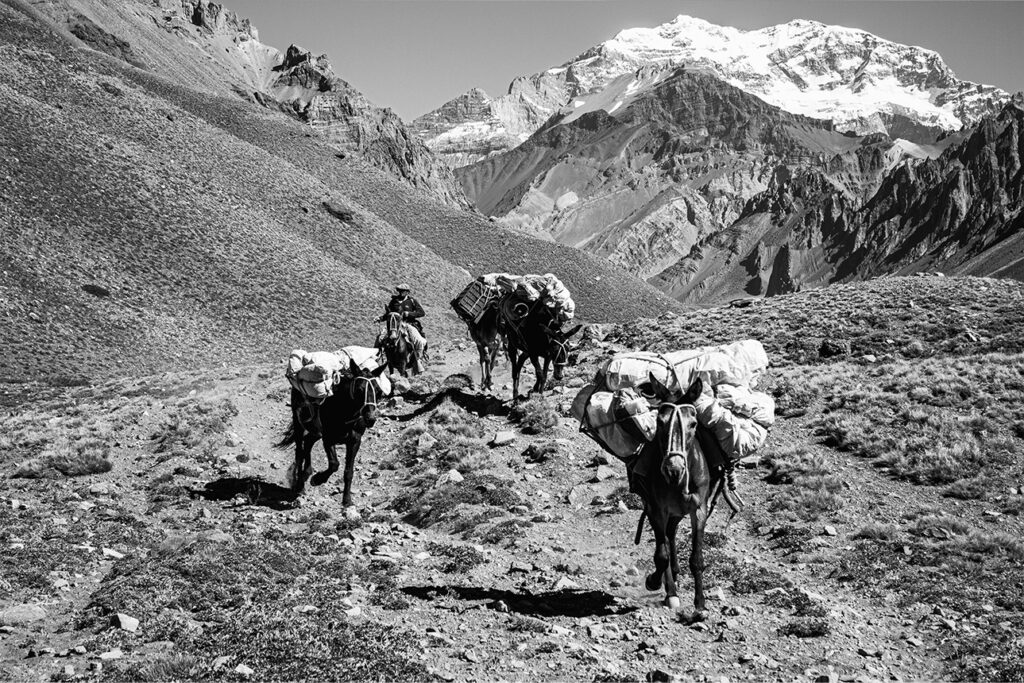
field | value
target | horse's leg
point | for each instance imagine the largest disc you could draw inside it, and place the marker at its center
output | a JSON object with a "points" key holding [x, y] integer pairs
{"points": [[332, 465], [698, 518], [351, 450]]}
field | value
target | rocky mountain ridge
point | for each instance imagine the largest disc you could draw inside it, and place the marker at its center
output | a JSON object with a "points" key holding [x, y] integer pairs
{"points": [[860, 81], [204, 45]]}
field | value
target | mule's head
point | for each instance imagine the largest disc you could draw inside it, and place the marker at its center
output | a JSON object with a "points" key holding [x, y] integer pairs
{"points": [[558, 348], [393, 326], [677, 431], [367, 388]]}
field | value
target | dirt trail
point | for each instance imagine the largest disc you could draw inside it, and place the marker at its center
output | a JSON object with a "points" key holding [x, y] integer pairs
{"points": [[560, 595]]}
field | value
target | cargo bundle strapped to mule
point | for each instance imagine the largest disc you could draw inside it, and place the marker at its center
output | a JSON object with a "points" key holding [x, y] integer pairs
{"points": [[314, 374], [514, 295], [619, 411]]}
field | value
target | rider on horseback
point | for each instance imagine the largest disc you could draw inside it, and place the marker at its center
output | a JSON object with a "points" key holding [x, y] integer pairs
{"points": [[406, 306]]}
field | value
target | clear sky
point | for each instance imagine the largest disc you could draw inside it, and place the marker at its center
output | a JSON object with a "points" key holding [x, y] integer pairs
{"points": [[414, 55]]}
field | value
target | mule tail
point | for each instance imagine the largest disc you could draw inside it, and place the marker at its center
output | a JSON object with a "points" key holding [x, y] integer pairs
{"points": [[290, 436]]}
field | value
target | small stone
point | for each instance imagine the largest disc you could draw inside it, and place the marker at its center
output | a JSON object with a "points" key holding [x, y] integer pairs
{"points": [[112, 654], [221, 662], [111, 553], [452, 476], [79, 649], [521, 567], [243, 670], [830, 530], [604, 472], [659, 676], [565, 583], [126, 623], [864, 652], [233, 439], [305, 609], [354, 612], [575, 495], [870, 358], [747, 657], [100, 488], [69, 671], [503, 438], [471, 656]]}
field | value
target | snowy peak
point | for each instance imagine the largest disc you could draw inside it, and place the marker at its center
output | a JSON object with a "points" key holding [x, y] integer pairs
{"points": [[862, 82], [853, 77]]}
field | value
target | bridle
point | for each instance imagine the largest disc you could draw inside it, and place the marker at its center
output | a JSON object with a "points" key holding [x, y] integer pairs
{"points": [[370, 395], [676, 442]]}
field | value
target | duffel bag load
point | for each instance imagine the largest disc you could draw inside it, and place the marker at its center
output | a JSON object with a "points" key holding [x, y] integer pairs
{"points": [[738, 417], [622, 421]]}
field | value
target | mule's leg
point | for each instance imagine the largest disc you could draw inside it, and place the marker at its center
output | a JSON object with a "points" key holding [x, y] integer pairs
{"points": [[698, 518], [662, 574], [517, 358], [303, 462], [351, 450], [540, 374], [485, 371], [332, 465], [671, 590]]}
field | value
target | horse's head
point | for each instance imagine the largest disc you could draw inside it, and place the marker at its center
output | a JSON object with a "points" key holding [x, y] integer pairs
{"points": [[558, 348], [367, 388], [677, 431]]}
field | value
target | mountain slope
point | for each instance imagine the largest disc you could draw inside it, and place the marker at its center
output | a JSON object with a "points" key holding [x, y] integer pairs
{"points": [[860, 81], [205, 46], [154, 226], [674, 162]]}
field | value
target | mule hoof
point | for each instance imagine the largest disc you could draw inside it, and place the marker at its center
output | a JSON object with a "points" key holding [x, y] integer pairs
{"points": [[672, 602], [319, 478], [693, 617], [653, 582]]}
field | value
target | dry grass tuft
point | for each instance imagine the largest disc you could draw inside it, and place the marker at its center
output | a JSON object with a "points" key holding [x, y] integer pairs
{"points": [[535, 416]]}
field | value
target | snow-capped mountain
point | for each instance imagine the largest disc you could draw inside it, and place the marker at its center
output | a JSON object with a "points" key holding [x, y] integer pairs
{"points": [[861, 82]]}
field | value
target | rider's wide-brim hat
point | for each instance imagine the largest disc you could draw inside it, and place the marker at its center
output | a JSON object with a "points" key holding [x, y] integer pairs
{"points": [[403, 287]]}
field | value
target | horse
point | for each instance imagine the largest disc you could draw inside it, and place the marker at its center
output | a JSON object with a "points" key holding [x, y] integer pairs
{"points": [[673, 477], [341, 418], [489, 340], [401, 350], [535, 337]]}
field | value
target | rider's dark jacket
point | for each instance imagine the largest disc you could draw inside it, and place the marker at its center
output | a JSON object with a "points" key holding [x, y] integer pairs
{"points": [[408, 307]]}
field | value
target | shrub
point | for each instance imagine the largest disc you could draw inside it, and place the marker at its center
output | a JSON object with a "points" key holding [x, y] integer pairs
{"points": [[458, 559], [68, 458], [535, 416], [806, 627]]}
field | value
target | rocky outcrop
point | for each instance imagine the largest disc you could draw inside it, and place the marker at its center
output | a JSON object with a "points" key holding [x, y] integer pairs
{"points": [[307, 87], [960, 213], [212, 16]]}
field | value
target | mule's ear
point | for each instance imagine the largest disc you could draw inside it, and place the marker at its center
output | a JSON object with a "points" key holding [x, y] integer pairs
{"points": [[354, 368], [694, 392], [661, 392], [381, 369], [570, 333]]}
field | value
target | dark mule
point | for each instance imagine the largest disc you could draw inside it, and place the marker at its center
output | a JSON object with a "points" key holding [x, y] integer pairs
{"points": [[673, 478], [342, 418], [536, 337], [398, 349], [489, 340]]}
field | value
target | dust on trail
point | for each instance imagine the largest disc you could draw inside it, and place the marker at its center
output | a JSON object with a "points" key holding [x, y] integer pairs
{"points": [[559, 595]]}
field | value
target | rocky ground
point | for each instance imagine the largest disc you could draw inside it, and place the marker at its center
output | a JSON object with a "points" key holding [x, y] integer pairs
{"points": [[147, 534]]}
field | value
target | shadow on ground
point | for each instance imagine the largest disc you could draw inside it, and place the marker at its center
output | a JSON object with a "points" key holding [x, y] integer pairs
{"points": [[254, 490], [560, 603], [478, 404]]}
